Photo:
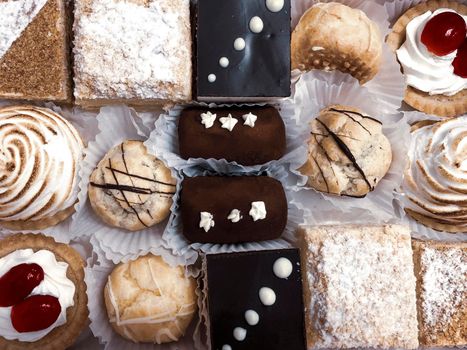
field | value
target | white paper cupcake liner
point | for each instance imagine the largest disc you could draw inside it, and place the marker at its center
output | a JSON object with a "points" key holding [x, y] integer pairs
{"points": [[316, 90], [419, 230], [96, 278], [116, 124], [389, 83], [180, 246], [86, 125], [163, 142]]}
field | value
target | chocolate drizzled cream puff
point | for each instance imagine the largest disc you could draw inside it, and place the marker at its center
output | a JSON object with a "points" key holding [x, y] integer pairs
{"points": [[348, 153], [435, 183], [131, 188], [40, 153]]}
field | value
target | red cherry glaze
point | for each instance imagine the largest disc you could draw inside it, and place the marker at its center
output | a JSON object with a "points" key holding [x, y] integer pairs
{"points": [[460, 62], [19, 282], [35, 313], [444, 33]]}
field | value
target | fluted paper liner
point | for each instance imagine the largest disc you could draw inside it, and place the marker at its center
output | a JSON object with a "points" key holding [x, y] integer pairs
{"points": [[96, 278], [116, 124], [388, 84], [316, 90], [86, 125]]}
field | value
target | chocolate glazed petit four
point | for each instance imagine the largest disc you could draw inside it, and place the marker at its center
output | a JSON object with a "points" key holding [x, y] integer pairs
{"points": [[243, 49], [221, 209], [248, 136], [254, 300]]}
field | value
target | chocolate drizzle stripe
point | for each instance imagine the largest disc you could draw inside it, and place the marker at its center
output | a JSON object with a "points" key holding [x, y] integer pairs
{"points": [[327, 157], [343, 147], [141, 177], [356, 113], [321, 172], [132, 189], [346, 136]]}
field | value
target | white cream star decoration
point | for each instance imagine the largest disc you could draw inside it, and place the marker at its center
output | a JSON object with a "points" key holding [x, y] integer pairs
{"points": [[228, 122]]}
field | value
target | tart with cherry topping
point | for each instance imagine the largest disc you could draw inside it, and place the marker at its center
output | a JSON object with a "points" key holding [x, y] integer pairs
{"points": [[441, 39], [33, 308]]}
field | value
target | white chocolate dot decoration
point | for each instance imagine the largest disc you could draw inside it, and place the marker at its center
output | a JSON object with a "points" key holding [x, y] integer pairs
{"points": [[282, 268], [212, 78], [239, 333], [239, 44], [226, 347], [267, 296], [224, 62], [251, 317], [256, 24], [275, 5]]}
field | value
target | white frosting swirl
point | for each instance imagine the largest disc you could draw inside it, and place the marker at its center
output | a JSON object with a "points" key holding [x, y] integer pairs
{"points": [[206, 220], [422, 69], [258, 210], [55, 283], [435, 183], [39, 157]]}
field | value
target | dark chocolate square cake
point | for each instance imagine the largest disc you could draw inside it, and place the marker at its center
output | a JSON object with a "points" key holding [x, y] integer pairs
{"points": [[254, 300], [243, 49]]}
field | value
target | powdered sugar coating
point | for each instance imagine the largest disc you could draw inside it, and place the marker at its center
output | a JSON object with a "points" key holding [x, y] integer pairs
{"points": [[443, 289], [15, 16], [359, 287], [132, 49]]}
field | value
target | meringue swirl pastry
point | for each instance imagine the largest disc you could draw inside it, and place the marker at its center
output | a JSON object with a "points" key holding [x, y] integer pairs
{"points": [[40, 153], [435, 182]]}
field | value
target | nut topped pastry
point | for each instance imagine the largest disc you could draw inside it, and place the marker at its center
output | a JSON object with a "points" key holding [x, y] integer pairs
{"points": [[34, 50], [431, 46], [348, 154], [359, 287], [334, 36], [435, 182], [441, 270], [149, 301], [40, 154], [132, 51], [130, 188]]}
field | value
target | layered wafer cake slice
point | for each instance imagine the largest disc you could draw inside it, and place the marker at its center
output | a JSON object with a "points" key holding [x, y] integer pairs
{"points": [[34, 54], [441, 270], [359, 287], [136, 52]]}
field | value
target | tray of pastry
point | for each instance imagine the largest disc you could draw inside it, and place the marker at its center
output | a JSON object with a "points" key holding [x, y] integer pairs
{"points": [[235, 174]]}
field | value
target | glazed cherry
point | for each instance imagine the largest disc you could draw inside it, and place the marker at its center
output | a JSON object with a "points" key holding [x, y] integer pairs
{"points": [[35, 313], [444, 33], [460, 62], [19, 282]]}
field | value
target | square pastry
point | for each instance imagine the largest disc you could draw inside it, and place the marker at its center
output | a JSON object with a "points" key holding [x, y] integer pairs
{"points": [[34, 53], [242, 49], [359, 287], [132, 51], [253, 300], [441, 270]]}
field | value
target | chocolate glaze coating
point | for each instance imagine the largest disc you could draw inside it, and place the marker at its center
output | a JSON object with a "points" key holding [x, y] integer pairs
{"points": [[232, 283], [218, 195], [259, 71], [264, 142]]}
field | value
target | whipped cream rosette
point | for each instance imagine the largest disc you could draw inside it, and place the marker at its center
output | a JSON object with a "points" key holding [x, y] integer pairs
{"points": [[40, 154], [435, 182]]}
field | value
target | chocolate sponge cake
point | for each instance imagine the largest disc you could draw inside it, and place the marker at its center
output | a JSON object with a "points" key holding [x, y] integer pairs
{"points": [[246, 135], [34, 51], [222, 209]]}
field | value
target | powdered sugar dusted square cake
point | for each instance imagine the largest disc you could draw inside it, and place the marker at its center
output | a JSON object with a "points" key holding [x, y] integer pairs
{"points": [[34, 54], [359, 287], [132, 51], [441, 270]]}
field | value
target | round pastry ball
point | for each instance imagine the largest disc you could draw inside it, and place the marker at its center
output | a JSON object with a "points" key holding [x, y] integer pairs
{"points": [[333, 36], [149, 301], [348, 154], [131, 188]]}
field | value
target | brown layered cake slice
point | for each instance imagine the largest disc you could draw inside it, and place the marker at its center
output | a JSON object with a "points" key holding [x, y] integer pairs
{"points": [[34, 55], [441, 270]]}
